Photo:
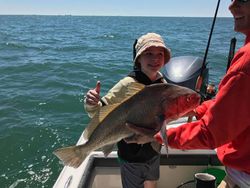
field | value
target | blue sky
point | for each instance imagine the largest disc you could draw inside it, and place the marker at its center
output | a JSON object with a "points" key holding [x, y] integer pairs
{"points": [[200, 8]]}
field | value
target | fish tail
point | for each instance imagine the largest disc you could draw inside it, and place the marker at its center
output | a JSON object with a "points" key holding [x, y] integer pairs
{"points": [[71, 156]]}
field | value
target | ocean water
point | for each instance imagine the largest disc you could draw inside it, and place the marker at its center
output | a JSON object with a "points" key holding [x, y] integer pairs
{"points": [[48, 63]]}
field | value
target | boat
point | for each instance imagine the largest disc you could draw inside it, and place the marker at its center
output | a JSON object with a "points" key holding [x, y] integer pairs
{"points": [[177, 168]]}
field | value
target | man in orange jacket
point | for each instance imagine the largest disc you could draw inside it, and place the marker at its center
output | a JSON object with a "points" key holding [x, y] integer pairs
{"points": [[224, 122]]}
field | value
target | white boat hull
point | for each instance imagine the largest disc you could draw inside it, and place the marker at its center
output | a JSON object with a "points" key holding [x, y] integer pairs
{"points": [[176, 168]]}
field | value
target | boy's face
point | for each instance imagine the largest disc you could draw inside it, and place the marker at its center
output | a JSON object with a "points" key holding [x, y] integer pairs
{"points": [[152, 60], [241, 13]]}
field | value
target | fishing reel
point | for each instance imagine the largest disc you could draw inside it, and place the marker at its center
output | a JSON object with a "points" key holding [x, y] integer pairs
{"points": [[210, 91]]}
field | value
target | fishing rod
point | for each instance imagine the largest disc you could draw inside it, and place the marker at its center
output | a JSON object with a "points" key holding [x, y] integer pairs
{"points": [[200, 78], [231, 52], [134, 51]]}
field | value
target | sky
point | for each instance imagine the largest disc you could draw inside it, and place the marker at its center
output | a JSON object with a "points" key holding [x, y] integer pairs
{"points": [[166, 8]]}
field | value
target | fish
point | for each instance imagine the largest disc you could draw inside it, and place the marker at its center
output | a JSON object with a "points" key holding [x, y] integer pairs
{"points": [[150, 107]]}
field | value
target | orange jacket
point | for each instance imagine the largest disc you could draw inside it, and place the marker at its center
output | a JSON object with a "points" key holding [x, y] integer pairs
{"points": [[224, 122]]}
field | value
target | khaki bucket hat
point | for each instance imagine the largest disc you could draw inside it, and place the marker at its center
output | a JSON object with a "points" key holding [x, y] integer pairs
{"points": [[149, 40]]}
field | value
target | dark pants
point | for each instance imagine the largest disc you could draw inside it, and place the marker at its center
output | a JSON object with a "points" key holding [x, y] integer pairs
{"points": [[133, 175]]}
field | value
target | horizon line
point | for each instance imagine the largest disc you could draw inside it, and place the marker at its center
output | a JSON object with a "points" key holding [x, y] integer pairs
{"points": [[113, 15]]}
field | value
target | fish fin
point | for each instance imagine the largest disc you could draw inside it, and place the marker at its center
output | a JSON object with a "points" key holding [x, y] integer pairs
{"points": [[71, 156], [141, 135], [132, 89], [100, 115], [107, 149], [143, 130], [164, 135], [160, 121], [150, 129], [156, 146]]}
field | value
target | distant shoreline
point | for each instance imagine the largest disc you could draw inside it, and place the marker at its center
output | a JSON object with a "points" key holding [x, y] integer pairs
{"points": [[110, 16]]}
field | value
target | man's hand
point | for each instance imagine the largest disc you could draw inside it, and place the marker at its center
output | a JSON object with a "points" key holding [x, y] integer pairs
{"points": [[141, 136]]}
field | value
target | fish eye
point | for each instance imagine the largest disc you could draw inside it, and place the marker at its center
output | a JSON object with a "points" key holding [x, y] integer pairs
{"points": [[188, 99]]}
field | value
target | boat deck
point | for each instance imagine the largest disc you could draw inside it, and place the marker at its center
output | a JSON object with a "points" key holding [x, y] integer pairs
{"points": [[99, 172]]}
